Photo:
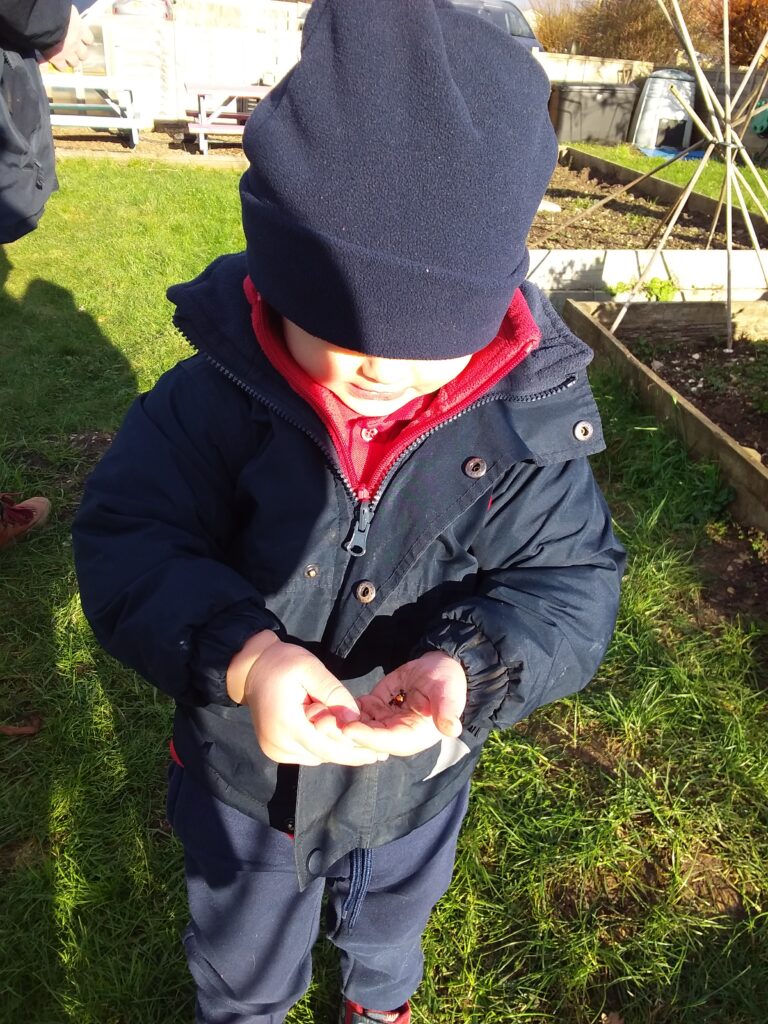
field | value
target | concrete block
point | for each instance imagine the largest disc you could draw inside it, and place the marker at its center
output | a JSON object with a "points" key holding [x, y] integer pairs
{"points": [[698, 274]]}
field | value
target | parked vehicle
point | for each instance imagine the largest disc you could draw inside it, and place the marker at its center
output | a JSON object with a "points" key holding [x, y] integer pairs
{"points": [[506, 16]]}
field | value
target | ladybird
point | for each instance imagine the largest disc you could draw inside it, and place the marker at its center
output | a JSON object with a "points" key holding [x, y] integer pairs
{"points": [[398, 700]]}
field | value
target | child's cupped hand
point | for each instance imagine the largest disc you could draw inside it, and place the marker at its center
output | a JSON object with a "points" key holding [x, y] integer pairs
{"points": [[298, 710], [411, 708]]}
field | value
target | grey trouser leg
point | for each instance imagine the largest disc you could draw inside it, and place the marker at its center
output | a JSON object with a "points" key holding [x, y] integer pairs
{"points": [[250, 938], [251, 931], [381, 957]]}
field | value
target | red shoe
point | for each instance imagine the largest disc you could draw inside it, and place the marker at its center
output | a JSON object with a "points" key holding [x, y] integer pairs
{"points": [[17, 520], [353, 1013]]}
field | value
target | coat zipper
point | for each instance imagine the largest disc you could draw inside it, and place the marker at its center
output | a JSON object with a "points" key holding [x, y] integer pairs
{"points": [[567, 383], [356, 540]]}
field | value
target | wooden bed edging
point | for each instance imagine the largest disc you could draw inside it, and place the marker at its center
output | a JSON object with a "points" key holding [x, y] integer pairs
{"points": [[703, 439]]}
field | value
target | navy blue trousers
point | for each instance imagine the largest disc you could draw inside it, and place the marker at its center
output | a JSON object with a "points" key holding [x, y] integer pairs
{"points": [[251, 932]]}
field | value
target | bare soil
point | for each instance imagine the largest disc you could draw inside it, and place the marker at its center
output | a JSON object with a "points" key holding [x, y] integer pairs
{"points": [[169, 144], [716, 385], [728, 386], [734, 566], [628, 222]]}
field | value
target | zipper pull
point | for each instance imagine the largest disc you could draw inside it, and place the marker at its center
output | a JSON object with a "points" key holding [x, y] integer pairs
{"points": [[358, 535]]}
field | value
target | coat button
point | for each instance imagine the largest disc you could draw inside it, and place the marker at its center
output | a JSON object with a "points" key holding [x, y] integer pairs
{"points": [[315, 862], [475, 467], [365, 592], [583, 430], [311, 571]]}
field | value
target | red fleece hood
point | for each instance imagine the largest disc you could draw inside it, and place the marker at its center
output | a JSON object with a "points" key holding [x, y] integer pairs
{"points": [[367, 447]]}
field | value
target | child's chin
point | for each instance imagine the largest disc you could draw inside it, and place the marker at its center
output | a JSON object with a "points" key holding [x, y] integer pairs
{"points": [[374, 407], [379, 409]]}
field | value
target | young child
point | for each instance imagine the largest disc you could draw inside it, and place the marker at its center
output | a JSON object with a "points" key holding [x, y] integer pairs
{"points": [[358, 530]]}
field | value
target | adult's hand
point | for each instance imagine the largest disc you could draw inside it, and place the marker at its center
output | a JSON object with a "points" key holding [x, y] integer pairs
{"points": [[413, 707], [298, 707], [73, 48]]}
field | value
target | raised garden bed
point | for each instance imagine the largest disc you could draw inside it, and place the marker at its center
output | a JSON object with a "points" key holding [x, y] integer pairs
{"points": [[592, 258], [684, 343], [627, 223]]}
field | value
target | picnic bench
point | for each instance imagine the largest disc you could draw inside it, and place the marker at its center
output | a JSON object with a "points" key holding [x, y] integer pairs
{"points": [[214, 113], [113, 107]]}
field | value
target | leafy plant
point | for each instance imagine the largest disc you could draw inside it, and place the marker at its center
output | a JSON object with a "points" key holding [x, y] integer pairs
{"points": [[661, 289], [758, 541], [657, 289]]}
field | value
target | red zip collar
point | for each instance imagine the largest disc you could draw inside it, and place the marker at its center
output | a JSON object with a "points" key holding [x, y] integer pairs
{"points": [[516, 338]]}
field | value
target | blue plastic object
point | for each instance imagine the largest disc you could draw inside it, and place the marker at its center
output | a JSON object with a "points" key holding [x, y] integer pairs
{"points": [[667, 151]]}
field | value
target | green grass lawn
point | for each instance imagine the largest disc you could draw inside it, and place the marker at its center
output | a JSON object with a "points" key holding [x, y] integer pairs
{"points": [[615, 858], [681, 172]]}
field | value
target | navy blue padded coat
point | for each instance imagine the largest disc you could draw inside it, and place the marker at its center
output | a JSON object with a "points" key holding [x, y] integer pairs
{"points": [[27, 174], [221, 510]]}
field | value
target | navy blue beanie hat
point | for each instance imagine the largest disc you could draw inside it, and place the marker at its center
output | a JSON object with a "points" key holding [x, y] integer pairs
{"points": [[394, 175]]}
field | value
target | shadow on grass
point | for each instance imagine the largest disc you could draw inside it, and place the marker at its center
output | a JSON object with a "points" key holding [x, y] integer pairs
{"points": [[723, 978], [60, 373], [91, 876], [67, 862]]}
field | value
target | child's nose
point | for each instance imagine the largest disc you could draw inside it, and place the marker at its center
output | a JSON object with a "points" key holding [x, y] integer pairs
{"points": [[384, 371]]}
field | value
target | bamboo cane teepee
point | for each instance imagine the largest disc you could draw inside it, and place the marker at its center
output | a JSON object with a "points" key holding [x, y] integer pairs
{"points": [[723, 134]]}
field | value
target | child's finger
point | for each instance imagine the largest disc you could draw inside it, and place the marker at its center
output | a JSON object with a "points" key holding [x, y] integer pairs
{"points": [[332, 749], [374, 737], [344, 715], [401, 738], [323, 719], [326, 689], [449, 726], [447, 705], [289, 754]]}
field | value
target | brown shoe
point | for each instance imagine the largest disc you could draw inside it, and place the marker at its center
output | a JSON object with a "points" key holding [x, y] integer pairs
{"points": [[18, 520]]}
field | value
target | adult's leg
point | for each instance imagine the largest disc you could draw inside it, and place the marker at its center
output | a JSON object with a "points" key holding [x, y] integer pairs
{"points": [[251, 931], [381, 957]]}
